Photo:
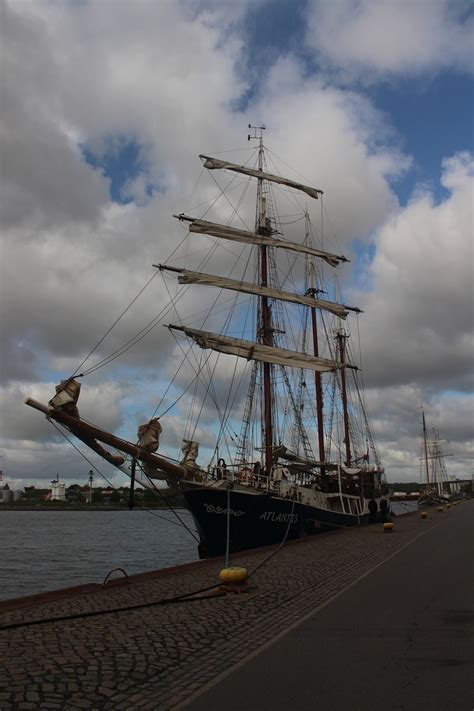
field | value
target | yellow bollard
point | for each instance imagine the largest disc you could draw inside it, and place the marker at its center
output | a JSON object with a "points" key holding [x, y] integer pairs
{"points": [[233, 579], [388, 527], [423, 514], [233, 575]]}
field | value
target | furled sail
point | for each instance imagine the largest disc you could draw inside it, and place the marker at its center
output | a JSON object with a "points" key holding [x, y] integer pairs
{"points": [[282, 452], [213, 163], [257, 351], [148, 441], [149, 435], [355, 471], [65, 401], [190, 450], [188, 277], [232, 233], [67, 395]]}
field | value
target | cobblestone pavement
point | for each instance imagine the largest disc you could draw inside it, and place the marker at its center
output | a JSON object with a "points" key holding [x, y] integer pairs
{"points": [[155, 657]]}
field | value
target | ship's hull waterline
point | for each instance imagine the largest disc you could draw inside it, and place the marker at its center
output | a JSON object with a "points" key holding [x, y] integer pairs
{"points": [[257, 519]]}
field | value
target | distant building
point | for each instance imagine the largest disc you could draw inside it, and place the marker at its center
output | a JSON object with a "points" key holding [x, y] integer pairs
{"points": [[58, 491], [5, 494], [33, 495], [75, 493], [454, 486], [8, 495]]}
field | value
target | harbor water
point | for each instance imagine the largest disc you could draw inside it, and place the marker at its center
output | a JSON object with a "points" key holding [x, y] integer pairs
{"points": [[47, 550]]}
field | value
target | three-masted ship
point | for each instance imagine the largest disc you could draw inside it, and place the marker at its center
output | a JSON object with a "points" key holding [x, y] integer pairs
{"points": [[437, 487], [303, 459]]}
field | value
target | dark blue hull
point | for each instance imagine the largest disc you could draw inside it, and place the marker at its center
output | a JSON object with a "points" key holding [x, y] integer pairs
{"points": [[259, 519]]}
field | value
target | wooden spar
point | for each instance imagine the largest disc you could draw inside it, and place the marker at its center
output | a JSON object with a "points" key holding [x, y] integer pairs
{"points": [[85, 430]]}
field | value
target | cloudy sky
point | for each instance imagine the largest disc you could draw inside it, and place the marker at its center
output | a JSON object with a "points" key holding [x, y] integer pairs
{"points": [[105, 106]]}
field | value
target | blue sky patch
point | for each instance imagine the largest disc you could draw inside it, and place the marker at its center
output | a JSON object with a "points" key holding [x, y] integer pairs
{"points": [[431, 114], [121, 159], [271, 30], [362, 256], [435, 119]]}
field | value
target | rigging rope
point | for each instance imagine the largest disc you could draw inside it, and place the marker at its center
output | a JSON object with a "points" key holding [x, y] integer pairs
{"points": [[114, 323], [151, 324], [100, 473], [172, 509]]}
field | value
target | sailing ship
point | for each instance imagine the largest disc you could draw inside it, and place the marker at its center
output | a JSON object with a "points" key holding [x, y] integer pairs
{"points": [[437, 488], [293, 451]]}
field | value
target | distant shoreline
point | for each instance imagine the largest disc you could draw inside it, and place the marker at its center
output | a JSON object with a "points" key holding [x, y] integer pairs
{"points": [[83, 507]]}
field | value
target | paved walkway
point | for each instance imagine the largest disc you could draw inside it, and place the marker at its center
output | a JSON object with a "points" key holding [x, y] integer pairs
{"points": [[400, 638], [159, 657]]}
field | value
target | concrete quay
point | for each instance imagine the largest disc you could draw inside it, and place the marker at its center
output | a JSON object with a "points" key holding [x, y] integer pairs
{"points": [[355, 619]]}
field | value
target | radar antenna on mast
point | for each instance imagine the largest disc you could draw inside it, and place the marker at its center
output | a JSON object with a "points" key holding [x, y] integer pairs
{"points": [[254, 135]]}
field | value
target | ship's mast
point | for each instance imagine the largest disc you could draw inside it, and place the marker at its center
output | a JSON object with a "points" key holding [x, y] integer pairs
{"points": [[438, 469], [265, 334], [425, 441], [264, 349], [440, 475], [313, 291], [341, 337]]}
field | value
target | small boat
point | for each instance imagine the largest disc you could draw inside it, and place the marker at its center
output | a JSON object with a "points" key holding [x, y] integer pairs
{"points": [[273, 384]]}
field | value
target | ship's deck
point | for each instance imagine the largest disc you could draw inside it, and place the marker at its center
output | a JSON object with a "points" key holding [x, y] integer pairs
{"points": [[358, 612]]}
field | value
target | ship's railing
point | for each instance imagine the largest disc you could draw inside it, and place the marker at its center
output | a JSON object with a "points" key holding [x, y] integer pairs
{"points": [[279, 483], [245, 475], [253, 478]]}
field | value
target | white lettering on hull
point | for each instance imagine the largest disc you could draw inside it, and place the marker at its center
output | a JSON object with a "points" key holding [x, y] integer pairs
{"points": [[219, 510], [279, 517]]}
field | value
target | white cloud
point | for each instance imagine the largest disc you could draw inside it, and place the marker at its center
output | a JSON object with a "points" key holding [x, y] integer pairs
{"points": [[100, 404], [418, 324], [164, 75], [339, 142], [34, 451], [396, 417], [370, 39]]}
